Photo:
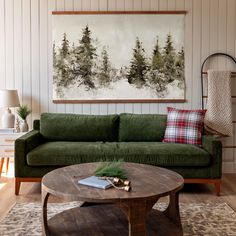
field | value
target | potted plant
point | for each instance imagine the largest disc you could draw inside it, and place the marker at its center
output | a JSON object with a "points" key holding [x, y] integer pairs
{"points": [[23, 112]]}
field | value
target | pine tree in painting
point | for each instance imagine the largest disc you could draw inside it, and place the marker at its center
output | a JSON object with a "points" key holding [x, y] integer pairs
{"points": [[54, 55], [85, 55], [157, 59], [138, 67], [169, 60], [105, 69], [156, 71], [179, 66], [65, 75], [65, 46]]}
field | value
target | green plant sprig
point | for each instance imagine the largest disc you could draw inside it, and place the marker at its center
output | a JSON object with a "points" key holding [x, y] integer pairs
{"points": [[111, 169], [23, 112]]}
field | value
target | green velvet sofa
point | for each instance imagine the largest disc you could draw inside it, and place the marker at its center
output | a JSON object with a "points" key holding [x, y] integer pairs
{"points": [[65, 139]]}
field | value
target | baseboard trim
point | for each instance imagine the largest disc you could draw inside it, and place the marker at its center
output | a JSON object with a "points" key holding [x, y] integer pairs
{"points": [[229, 167]]}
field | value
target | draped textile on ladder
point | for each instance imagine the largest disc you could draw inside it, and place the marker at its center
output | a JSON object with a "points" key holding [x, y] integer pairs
{"points": [[218, 119]]}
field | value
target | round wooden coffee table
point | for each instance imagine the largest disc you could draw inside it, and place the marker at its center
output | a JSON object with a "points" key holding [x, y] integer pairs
{"points": [[111, 211]]}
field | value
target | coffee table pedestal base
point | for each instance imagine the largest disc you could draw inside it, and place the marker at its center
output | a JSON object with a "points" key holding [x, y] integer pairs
{"points": [[102, 220]]}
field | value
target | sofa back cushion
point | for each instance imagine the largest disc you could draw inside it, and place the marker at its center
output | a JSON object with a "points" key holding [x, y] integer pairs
{"points": [[142, 127], [71, 127]]}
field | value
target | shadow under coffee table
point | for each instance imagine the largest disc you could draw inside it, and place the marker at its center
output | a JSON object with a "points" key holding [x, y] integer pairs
{"points": [[113, 212]]}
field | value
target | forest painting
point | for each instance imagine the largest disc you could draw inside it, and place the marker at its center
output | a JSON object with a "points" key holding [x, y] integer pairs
{"points": [[118, 57]]}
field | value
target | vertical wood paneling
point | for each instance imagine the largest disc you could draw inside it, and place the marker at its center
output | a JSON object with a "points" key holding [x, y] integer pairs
{"points": [[129, 108], [44, 80], [77, 5], [171, 5], [18, 52], [137, 108], [222, 32], [188, 52], [86, 5], [35, 62], [120, 5], [137, 5], [111, 108], [103, 5], [26, 39], [26, 51], [163, 5], [145, 108], [2, 45], [51, 7], [120, 108], [146, 5], [179, 5], [214, 7], [154, 5], [129, 5], [95, 5], [95, 109], [196, 45], [111, 5], [9, 22], [103, 109], [205, 49]]}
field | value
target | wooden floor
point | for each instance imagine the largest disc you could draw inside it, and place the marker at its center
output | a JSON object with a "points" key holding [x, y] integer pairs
{"points": [[191, 193]]}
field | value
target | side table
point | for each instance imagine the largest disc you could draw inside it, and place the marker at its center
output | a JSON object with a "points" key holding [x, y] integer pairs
{"points": [[7, 148]]}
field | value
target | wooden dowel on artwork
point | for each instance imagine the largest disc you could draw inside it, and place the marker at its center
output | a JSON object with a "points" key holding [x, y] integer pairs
{"points": [[122, 101], [232, 73], [207, 96], [115, 12]]}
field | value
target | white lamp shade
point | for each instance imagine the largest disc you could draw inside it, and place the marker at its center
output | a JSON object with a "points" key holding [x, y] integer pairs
{"points": [[9, 98]]}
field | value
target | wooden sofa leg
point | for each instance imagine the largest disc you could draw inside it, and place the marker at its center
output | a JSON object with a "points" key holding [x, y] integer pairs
{"points": [[17, 186], [19, 180], [217, 187], [1, 165]]}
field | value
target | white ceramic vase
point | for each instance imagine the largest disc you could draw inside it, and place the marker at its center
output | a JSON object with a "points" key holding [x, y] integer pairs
{"points": [[8, 119], [24, 126]]}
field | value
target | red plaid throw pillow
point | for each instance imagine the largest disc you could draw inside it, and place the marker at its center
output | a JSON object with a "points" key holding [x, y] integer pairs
{"points": [[184, 126]]}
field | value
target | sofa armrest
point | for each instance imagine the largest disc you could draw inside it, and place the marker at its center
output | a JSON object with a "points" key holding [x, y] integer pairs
{"points": [[23, 145], [214, 146]]}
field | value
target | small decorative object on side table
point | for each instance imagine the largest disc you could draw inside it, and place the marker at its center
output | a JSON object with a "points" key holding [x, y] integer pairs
{"points": [[7, 147], [23, 112]]}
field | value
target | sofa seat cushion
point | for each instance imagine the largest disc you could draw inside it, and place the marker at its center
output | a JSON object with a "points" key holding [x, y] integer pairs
{"points": [[153, 153]]}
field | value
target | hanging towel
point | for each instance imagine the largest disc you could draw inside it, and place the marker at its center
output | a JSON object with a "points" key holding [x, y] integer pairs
{"points": [[218, 119]]}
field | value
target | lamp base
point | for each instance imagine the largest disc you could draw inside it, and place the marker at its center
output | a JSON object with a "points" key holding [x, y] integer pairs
{"points": [[8, 119]]}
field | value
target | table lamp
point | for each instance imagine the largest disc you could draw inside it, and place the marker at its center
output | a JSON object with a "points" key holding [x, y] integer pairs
{"points": [[8, 98]]}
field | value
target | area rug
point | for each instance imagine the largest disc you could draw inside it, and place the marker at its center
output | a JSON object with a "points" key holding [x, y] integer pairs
{"points": [[197, 219]]}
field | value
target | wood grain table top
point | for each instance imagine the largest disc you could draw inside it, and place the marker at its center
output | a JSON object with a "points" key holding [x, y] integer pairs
{"points": [[147, 181]]}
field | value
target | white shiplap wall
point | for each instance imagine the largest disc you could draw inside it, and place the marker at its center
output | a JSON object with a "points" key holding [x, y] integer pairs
{"points": [[26, 51]]}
